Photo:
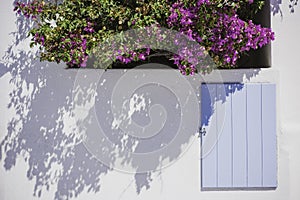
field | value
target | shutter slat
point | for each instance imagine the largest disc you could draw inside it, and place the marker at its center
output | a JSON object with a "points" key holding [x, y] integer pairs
{"points": [[224, 138], [208, 152], [269, 135], [254, 147], [239, 138]]}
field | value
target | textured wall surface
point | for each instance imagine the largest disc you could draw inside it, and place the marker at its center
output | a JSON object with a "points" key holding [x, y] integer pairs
{"points": [[45, 110]]}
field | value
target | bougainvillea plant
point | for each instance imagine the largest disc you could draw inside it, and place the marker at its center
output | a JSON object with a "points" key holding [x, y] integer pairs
{"points": [[69, 31]]}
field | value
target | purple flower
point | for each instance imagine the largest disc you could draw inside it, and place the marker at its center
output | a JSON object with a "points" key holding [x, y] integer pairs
{"points": [[142, 56], [200, 2], [84, 61], [42, 40], [83, 45]]}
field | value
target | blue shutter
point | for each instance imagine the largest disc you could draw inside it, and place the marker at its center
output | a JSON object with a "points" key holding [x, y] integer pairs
{"points": [[238, 144]]}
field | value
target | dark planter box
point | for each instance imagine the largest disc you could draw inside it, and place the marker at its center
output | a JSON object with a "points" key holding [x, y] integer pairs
{"points": [[260, 58], [118, 65]]}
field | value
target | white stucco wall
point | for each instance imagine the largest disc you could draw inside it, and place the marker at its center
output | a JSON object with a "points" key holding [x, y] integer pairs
{"points": [[181, 179]]}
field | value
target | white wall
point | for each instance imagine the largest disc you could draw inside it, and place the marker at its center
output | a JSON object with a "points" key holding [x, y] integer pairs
{"points": [[181, 179]]}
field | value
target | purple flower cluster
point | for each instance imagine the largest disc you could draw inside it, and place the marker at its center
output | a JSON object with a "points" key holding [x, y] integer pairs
{"points": [[129, 56], [30, 9], [232, 36], [77, 46], [190, 56], [200, 2], [226, 38], [37, 38], [89, 28], [137, 46], [188, 59]]}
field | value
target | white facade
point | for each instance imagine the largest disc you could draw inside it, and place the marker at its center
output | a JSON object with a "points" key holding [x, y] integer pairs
{"points": [[181, 179]]}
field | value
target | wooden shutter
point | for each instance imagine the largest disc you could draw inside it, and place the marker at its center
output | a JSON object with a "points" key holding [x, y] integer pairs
{"points": [[238, 142]]}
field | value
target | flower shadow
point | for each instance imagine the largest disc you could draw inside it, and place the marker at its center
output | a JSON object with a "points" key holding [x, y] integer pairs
{"points": [[40, 130]]}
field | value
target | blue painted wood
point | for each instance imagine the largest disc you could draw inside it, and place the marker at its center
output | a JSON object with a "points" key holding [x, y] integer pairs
{"points": [[208, 151], [239, 138], [224, 138], [242, 120], [254, 135], [269, 135]]}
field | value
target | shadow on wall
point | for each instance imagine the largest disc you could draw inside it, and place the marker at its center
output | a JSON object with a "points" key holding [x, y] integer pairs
{"points": [[276, 6], [46, 133], [38, 132], [208, 104], [41, 99]]}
